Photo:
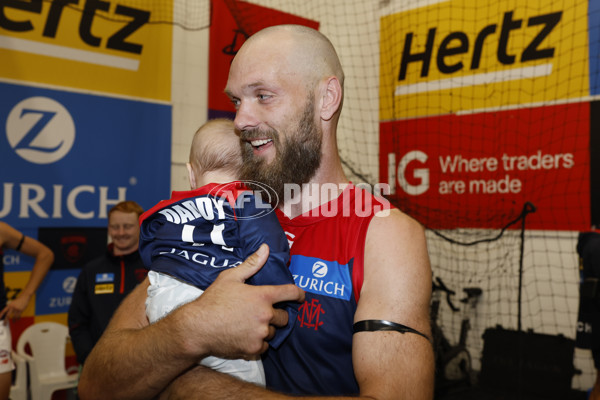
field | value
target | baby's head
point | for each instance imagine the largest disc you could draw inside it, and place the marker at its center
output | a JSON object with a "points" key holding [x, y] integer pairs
{"points": [[215, 155]]}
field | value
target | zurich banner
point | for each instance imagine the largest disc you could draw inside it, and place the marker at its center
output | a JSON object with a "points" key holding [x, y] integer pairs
{"points": [[68, 157]]}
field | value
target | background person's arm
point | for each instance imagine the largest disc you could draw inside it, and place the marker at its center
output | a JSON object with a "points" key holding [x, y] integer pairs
{"points": [[387, 365], [134, 360], [44, 257]]}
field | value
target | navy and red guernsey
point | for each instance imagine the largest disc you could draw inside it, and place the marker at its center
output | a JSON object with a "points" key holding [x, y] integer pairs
{"points": [[199, 233], [327, 248]]}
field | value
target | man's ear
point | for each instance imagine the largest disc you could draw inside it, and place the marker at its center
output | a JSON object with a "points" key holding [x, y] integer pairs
{"points": [[191, 175], [331, 97]]}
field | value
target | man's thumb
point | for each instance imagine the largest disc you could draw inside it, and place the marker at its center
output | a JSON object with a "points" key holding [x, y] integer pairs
{"points": [[253, 263]]}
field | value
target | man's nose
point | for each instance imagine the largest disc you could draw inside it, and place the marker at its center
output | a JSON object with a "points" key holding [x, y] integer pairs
{"points": [[245, 117]]}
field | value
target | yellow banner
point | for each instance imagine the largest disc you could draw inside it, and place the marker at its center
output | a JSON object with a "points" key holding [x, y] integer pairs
{"points": [[104, 46], [470, 54]]}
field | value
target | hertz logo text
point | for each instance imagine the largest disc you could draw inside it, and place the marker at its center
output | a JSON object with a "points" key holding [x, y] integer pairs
{"points": [[135, 18], [457, 43]]}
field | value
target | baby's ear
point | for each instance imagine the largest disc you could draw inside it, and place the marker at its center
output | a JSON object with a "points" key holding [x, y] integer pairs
{"points": [[191, 176]]}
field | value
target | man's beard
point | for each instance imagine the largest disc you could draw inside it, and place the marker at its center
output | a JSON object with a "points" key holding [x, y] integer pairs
{"points": [[295, 162]]}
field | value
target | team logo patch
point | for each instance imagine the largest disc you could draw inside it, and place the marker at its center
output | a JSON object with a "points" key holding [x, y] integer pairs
{"points": [[73, 247], [309, 314], [105, 277], [327, 278], [104, 288]]}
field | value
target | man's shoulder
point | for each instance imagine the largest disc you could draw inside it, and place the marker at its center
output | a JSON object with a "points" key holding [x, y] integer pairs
{"points": [[395, 223], [365, 202]]}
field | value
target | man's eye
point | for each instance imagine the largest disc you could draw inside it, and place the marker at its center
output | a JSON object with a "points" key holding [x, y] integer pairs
{"points": [[263, 97], [117, 227]]}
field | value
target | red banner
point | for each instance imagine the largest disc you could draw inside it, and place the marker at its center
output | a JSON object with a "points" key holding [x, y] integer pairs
{"points": [[478, 170], [232, 22]]}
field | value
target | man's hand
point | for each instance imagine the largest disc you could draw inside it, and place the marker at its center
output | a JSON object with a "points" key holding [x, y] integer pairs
{"points": [[237, 320]]}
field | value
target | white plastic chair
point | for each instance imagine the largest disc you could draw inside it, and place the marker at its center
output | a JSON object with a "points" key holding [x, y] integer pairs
{"points": [[47, 373], [18, 390]]}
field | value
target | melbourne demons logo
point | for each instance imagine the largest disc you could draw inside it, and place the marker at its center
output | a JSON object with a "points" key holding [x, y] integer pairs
{"points": [[309, 314], [73, 247]]}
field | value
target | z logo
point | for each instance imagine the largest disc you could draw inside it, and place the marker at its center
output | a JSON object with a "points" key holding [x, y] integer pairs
{"points": [[69, 283], [40, 130]]}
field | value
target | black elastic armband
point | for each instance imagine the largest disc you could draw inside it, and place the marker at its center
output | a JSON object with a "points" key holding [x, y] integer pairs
{"points": [[373, 325], [18, 248]]}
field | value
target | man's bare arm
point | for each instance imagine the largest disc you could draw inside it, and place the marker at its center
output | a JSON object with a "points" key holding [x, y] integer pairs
{"points": [[134, 360], [396, 288], [219, 386]]}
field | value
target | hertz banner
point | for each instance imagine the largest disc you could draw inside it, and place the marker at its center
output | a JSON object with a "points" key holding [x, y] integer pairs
{"points": [[485, 106], [105, 46], [469, 55], [85, 122]]}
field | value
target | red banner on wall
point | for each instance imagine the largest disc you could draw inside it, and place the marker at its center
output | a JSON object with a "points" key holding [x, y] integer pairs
{"points": [[232, 22], [478, 170]]}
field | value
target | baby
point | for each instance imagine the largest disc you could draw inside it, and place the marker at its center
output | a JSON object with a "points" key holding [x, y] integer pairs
{"points": [[188, 240]]}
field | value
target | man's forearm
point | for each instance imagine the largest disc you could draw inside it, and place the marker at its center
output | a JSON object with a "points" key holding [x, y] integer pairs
{"points": [[202, 383], [119, 369]]}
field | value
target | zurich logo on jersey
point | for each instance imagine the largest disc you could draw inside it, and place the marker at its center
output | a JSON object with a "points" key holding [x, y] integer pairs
{"points": [[105, 277], [327, 278]]}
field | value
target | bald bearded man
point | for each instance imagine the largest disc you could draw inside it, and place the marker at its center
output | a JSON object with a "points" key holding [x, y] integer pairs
{"points": [[364, 331]]}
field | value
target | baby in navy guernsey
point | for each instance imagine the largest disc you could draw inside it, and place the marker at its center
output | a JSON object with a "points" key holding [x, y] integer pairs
{"points": [[188, 240]]}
